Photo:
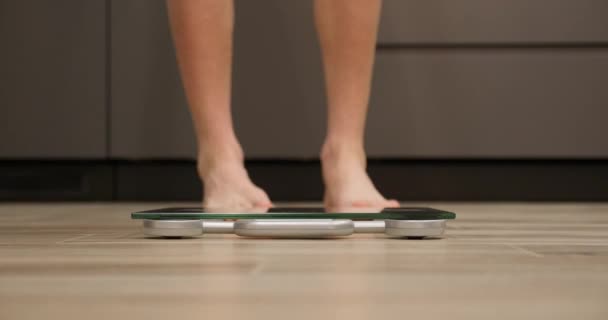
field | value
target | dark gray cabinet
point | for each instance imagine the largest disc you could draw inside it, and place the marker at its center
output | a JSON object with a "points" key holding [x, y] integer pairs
{"points": [[470, 78], [52, 79], [442, 102]]}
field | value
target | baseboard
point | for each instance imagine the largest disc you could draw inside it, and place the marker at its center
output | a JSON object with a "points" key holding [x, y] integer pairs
{"points": [[56, 181], [291, 180]]}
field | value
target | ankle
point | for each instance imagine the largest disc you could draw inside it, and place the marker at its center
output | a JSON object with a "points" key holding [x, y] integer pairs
{"points": [[217, 157], [336, 151]]}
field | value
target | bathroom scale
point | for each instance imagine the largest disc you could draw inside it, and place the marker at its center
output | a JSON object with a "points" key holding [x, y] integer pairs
{"points": [[295, 222]]}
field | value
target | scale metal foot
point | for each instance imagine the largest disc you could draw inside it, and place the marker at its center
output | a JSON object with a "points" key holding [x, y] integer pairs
{"points": [[414, 229], [173, 228]]}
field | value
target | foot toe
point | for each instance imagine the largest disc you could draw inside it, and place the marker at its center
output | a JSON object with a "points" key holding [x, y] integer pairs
{"points": [[392, 203]]}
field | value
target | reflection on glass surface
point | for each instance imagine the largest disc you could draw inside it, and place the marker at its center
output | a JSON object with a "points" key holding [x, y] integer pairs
{"points": [[354, 213], [289, 209], [353, 209], [235, 209], [330, 209]]}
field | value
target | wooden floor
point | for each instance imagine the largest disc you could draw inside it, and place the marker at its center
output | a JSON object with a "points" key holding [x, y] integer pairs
{"points": [[497, 261]]}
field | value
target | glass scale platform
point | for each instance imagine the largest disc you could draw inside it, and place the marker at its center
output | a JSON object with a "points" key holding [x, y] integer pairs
{"points": [[295, 222]]}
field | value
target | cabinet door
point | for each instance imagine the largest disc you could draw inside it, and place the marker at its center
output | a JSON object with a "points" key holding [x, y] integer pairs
{"points": [[52, 79], [490, 104], [494, 21]]}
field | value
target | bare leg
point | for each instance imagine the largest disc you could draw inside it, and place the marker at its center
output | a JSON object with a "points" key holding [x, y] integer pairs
{"points": [[347, 33], [202, 32]]}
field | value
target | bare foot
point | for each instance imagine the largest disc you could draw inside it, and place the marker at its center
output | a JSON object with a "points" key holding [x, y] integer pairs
{"points": [[346, 180], [227, 184]]}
